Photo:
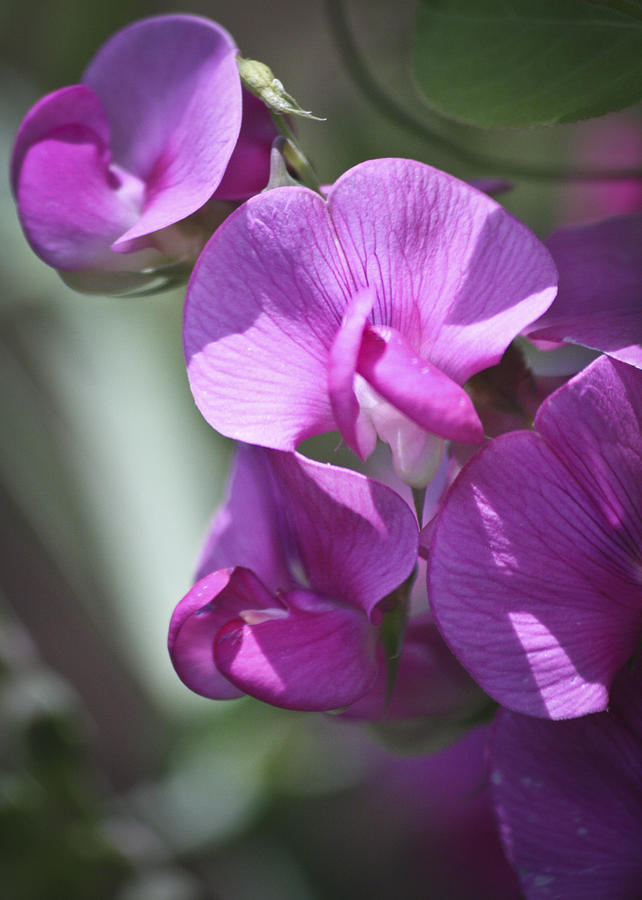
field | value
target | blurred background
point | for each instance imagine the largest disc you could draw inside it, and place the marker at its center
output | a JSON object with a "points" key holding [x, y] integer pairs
{"points": [[115, 780]]}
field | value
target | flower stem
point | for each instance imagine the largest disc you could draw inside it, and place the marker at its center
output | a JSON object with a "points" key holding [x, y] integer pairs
{"points": [[296, 156]]}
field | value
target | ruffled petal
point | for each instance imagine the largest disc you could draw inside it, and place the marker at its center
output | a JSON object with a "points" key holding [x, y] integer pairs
{"points": [[319, 656], [172, 94], [599, 303], [453, 272]]}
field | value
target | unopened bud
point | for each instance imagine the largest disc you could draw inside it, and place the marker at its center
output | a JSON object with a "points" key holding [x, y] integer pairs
{"points": [[259, 79]]}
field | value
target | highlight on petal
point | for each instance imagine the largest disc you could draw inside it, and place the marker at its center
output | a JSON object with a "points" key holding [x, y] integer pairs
{"points": [[320, 656], [599, 303], [534, 567], [268, 290], [172, 95], [567, 797]]}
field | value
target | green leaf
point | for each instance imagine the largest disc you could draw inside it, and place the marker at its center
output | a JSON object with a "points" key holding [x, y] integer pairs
{"points": [[529, 62]]}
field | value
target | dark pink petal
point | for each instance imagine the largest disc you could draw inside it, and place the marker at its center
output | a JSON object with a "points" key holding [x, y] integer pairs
{"points": [[193, 627], [429, 680], [599, 303], [342, 367], [356, 540], [534, 569], [74, 105], [320, 656], [416, 387], [594, 424], [251, 495], [72, 218], [172, 94], [453, 272], [569, 802], [263, 307], [248, 170]]}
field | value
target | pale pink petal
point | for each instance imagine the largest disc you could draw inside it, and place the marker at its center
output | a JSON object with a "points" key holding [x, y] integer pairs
{"points": [[262, 309], [172, 94]]}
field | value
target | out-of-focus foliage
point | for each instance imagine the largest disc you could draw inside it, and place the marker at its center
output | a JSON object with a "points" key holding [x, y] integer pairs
{"points": [[528, 62]]}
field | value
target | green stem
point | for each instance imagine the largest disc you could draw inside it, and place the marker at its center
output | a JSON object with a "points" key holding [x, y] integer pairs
{"points": [[388, 107], [297, 157]]}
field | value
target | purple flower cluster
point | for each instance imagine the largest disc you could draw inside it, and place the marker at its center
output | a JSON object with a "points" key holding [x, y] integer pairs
{"points": [[367, 310]]}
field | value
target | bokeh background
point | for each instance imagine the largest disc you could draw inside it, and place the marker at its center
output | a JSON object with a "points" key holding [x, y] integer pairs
{"points": [[115, 781]]}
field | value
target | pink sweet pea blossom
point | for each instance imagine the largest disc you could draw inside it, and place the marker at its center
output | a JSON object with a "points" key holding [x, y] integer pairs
{"points": [[568, 796], [535, 563], [104, 170], [599, 303], [294, 580], [365, 313]]}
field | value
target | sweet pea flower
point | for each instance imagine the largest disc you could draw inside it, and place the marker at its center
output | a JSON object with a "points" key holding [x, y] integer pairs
{"points": [[568, 797], [295, 578], [132, 169], [366, 312], [599, 303], [535, 560]]}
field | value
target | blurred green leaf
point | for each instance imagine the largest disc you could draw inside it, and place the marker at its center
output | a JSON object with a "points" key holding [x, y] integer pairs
{"points": [[528, 62]]}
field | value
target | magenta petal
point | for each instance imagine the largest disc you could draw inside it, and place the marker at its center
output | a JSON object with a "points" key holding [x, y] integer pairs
{"points": [[172, 93], [193, 627], [416, 387], [599, 303], [262, 309], [453, 272], [320, 656], [534, 567], [342, 367], [74, 105], [71, 220], [261, 548], [248, 170], [355, 539], [429, 680], [567, 796]]}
